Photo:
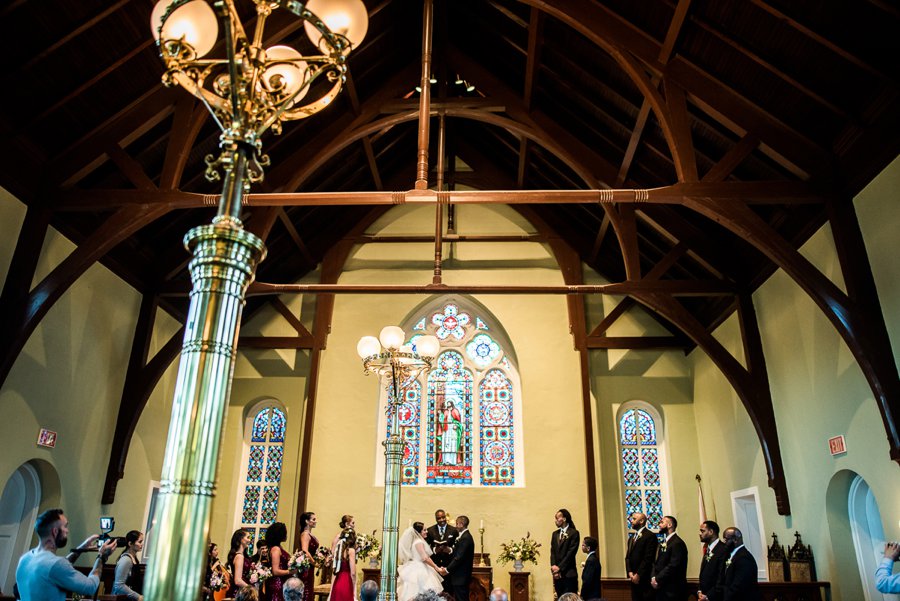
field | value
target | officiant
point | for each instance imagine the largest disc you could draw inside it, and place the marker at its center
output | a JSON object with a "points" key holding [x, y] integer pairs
{"points": [[441, 538]]}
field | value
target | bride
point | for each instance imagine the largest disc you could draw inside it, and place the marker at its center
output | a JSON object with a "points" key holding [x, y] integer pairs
{"points": [[418, 573]]}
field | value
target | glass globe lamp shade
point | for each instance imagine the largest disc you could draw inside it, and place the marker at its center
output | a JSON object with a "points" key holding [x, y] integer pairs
{"points": [[195, 22], [392, 337], [348, 18], [368, 346], [285, 76], [427, 346]]}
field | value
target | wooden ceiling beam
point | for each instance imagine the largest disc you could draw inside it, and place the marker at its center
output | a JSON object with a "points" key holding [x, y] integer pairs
{"points": [[683, 151], [186, 125], [130, 168], [637, 342], [533, 59], [295, 236], [730, 161]]}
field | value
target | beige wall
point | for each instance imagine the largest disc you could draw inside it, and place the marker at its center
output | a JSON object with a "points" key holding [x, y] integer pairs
{"points": [[818, 391]]}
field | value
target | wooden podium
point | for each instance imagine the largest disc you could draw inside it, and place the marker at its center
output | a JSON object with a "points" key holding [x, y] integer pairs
{"points": [[519, 589], [482, 577]]}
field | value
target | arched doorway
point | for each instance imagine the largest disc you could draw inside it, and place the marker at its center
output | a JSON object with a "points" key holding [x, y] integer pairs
{"points": [[19, 504], [868, 535]]}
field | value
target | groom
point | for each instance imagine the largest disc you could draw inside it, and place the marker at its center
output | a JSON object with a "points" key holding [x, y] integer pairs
{"points": [[459, 571]]}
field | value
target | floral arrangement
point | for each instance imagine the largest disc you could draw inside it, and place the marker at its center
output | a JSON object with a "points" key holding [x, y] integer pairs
{"points": [[368, 547], [322, 558], [524, 549], [299, 561], [217, 581], [259, 573]]}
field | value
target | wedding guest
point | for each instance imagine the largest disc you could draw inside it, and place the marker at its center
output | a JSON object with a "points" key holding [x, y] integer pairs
{"points": [[344, 586], [564, 543], [368, 591], [639, 558], [712, 564], [590, 574], [569, 597], [41, 574], [214, 566], [498, 594], [309, 544], [238, 563], [278, 558], [293, 589], [670, 570], [885, 582], [247, 593], [262, 553], [124, 578], [740, 574]]}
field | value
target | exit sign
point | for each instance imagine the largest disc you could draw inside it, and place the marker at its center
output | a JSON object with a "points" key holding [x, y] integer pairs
{"points": [[837, 445]]}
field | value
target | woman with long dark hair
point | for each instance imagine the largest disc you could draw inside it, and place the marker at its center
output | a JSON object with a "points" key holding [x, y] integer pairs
{"points": [[279, 558], [124, 578], [216, 571], [309, 544], [238, 563]]}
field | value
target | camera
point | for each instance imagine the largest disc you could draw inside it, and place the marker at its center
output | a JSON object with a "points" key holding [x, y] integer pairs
{"points": [[107, 524]]}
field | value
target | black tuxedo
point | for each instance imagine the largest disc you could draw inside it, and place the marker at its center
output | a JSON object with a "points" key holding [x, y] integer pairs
{"points": [[562, 555], [433, 538], [738, 581], [639, 560], [460, 566], [670, 570], [590, 578], [711, 572]]}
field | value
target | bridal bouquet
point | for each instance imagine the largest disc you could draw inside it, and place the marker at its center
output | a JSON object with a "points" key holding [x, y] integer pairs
{"points": [[367, 546], [259, 573], [299, 562], [524, 549], [322, 558]]}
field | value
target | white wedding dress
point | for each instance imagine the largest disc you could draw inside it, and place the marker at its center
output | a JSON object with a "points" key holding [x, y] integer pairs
{"points": [[414, 576]]}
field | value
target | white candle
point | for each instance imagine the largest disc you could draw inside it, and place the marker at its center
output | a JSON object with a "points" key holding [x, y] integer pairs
{"points": [[482, 524]]}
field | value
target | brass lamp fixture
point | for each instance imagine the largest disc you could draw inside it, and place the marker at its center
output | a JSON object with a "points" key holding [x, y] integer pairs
{"points": [[249, 89], [397, 364]]}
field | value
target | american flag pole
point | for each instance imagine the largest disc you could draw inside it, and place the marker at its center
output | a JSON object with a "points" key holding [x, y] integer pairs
{"points": [[701, 502]]}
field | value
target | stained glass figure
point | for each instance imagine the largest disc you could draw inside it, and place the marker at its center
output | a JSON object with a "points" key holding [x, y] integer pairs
{"points": [[640, 466], [450, 322], [408, 419], [262, 478], [482, 350], [449, 448], [497, 448]]}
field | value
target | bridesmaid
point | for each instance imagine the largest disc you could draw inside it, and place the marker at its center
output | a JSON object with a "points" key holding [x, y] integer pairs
{"points": [[309, 544], [238, 563], [347, 521], [344, 586], [275, 535]]}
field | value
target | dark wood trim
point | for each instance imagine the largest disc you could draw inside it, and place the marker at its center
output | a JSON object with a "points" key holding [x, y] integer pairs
{"points": [[637, 342]]}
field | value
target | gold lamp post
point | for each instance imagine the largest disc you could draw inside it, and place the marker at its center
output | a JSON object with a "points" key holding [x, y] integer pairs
{"points": [[249, 88], [397, 365]]}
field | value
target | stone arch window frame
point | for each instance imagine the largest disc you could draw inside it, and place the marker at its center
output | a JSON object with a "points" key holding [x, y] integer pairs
{"points": [[249, 417], [511, 371], [661, 454]]}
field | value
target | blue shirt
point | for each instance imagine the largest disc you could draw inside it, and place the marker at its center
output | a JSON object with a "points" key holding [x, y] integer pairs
{"points": [[886, 582], [44, 576]]}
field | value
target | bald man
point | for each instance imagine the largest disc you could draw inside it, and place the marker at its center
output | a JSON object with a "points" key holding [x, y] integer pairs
{"points": [[641, 554], [498, 594], [739, 577]]}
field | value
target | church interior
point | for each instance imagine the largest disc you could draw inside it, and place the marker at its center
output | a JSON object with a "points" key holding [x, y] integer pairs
{"points": [[654, 239]]}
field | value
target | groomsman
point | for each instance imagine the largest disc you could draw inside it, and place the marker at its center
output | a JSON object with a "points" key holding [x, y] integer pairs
{"points": [[441, 538], [639, 559], [590, 574], [739, 576], [564, 543], [714, 556], [670, 571]]}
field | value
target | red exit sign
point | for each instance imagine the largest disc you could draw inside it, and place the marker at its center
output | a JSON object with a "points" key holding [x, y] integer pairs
{"points": [[837, 445]]}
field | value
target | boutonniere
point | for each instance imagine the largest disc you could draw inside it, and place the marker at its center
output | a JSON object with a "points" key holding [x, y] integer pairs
{"points": [[728, 562], [663, 547], [563, 536], [708, 556]]}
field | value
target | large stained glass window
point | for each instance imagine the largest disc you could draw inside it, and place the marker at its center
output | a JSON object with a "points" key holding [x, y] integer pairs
{"points": [[639, 444], [261, 480], [458, 423]]}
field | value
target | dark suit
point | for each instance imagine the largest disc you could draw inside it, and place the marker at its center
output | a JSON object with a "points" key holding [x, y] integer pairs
{"points": [[639, 559], [711, 572], [562, 555], [590, 578], [670, 570], [442, 558], [738, 581], [460, 566]]}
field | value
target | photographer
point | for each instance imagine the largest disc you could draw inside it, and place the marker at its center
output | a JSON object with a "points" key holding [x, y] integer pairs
{"points": [[43, 576]]}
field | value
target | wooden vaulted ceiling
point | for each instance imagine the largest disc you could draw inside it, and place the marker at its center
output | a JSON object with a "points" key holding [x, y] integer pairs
{"points": [[759, 119]]}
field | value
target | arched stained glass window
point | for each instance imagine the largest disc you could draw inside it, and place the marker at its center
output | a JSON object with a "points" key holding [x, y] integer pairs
{"points": [[263, 461], [497, 448], [639, 443], [461, 422], [449, 457]]}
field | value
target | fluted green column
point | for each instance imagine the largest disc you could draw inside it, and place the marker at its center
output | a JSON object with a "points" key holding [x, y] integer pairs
{"points": [[224, 261], [393, 454]]}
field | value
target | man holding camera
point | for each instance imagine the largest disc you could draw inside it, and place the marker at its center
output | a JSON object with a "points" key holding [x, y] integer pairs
{"points": [[43, 576]]}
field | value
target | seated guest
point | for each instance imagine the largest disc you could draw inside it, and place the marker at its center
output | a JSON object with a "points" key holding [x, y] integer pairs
{"points": [[247, 593], [569, 597], [368, 591], [498, 594], [293, 589], [124, 579]]}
